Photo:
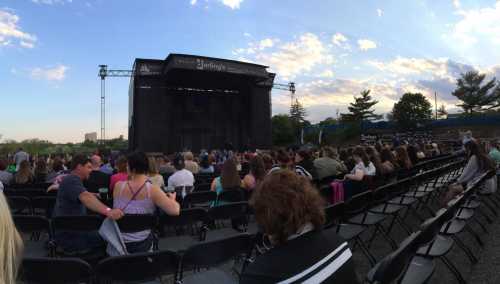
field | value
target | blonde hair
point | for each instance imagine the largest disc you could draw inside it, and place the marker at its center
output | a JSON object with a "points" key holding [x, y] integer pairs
{"points": [[188, 156], [152, 166], [11, 245]]}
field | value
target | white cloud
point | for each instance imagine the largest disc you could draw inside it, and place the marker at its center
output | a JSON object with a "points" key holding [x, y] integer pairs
{"points": [[233, 4], [339, 39], [380, 12], [365, 44], [193, 2], [57, 73], [456, 4], [265, 43], [478, 25], [10, 31], [326, 74], [247, 35]]}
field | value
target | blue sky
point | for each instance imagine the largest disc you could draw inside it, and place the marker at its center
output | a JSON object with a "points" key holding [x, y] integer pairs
{"points": [[50, 49]]}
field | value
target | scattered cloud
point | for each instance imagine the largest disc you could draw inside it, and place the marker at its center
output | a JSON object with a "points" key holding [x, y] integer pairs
{"points": [[478, 25], [57, 73], [193, 2], [326, 74], [233, 4], [380, 12], [366, 44], [456, 4], [247, 35], [11, 33], [341, 40], [265, 43]]}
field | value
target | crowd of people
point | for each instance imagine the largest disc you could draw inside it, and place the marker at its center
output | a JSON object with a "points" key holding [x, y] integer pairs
{"points": [[276, 180]]}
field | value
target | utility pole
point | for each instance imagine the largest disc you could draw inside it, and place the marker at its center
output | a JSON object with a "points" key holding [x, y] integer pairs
{"points": [[103, 72], [435, 104]]}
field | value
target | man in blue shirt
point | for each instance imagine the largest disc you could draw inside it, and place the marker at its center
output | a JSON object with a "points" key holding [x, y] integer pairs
{"points": [[73, 199]]}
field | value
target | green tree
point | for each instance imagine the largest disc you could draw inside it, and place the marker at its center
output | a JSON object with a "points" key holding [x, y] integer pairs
{"points": [[282, 130], [328, 122], [360, 109], [411, 110], [298, 119], [476, 96]]}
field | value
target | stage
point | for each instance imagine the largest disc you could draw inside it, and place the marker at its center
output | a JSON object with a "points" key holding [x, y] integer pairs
{"points": [[194, 102]]}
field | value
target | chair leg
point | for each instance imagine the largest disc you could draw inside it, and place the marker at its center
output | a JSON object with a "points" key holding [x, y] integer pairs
{"points": [[365, 251], [466, 249], [453, 269]]}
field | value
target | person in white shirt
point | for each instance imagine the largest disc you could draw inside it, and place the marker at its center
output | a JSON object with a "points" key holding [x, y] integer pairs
{"points": [[181, 177], [19, 157]]}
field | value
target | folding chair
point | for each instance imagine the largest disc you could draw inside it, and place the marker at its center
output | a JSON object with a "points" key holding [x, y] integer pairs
{"points": [[19, 205], [236, 212], [132, 223], [44, 205], [55, 271], [201, 199], [138, 268], [31, 229], [192, 220]]}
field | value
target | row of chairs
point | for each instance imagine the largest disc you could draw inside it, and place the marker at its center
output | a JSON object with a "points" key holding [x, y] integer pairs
{"points": [[413, 260], [141, 267]]}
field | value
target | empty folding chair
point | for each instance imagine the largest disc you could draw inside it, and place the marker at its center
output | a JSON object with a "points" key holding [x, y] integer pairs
{"points": [[189, 229], [230, 195], [55, 271], [211, 254], [234, 213], [402, 266], [36, 234], [43, 205], [20, 205], [148, 267], [203, 199]]}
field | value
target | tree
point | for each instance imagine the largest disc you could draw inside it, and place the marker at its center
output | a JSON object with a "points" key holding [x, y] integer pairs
{"points": [[411, 110], [360, 109], [441, 112], [282, 130], [475, 96], [298, 118], [329, 121]]}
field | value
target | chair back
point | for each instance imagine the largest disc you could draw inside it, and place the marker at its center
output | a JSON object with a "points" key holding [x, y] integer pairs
{"points": [[46, 270], [138, 267], [228, 211], [358, 203], [30, 224], [77, 223], [393, 266], [333, 214], [132, 223], [187, 217], [231, 195], [19, 205], [44, 204], [199, 199], [213, 253], [202, 187]]}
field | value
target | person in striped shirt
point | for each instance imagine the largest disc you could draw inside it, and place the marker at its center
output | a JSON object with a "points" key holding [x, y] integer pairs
{"points": [[294, 247], [286, 162]]}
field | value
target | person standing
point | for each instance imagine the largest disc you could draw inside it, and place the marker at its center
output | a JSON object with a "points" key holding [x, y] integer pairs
{"points": [[20, 156]]}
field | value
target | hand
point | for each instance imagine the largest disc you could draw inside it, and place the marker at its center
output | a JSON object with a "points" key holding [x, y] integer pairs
{"points": [[172, 195], [115, 214]]}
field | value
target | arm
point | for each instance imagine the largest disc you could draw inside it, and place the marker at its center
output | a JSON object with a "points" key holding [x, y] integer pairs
{"points": [[358, 175], [166, 201], [91, 202], [469, 170], [212, 186]]}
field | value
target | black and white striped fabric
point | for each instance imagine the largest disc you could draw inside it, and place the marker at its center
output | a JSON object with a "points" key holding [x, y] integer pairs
{"points": [[315, 257], [298, 170]]}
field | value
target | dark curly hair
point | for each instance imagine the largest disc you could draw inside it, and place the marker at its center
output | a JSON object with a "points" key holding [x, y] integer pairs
{"points": [[284, 202]]}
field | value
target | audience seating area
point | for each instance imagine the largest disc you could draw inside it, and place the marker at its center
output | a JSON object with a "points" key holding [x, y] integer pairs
{"points": [[195, 246]]}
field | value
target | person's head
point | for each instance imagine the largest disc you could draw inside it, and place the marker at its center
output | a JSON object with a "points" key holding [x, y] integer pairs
{"points": [[121, 164], [152, 166], [41, 166], [268, 162], [179, 162], [11, 245], [473, 149], [412, 153], [57, 165], [283, 158], [284, 203], [96, 162], [302, 155], [402, 157], [24, 166], [257, 167], [330, 152], [81, 166], [138, 163], [205, 164], [188, 156], [359, 155], [229, 177], [386, 155]]}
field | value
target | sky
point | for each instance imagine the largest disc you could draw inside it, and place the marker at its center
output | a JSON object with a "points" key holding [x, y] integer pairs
{"points": [[50, 51]]}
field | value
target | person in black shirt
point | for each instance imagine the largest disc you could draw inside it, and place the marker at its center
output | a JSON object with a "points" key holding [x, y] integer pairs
{"points": [[289, 212], [97, 178]]}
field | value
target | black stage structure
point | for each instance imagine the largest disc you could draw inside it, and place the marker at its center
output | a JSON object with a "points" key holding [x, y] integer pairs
{"points": [[195, 102]]}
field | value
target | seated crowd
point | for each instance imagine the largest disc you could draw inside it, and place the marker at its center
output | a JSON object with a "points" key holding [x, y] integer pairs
{"points": [[273, 182]]}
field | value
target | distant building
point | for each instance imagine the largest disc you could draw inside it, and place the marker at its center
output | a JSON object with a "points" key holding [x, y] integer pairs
{"points": [[92, 136]]}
